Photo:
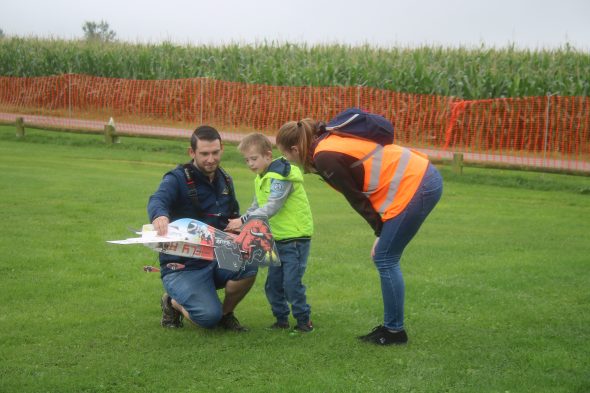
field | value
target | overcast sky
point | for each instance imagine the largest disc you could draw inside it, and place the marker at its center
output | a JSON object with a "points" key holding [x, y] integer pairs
{"points": [[524, 23]]}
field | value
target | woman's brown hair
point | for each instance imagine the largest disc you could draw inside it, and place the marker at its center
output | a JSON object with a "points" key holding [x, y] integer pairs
{"points": [[302, 135]]}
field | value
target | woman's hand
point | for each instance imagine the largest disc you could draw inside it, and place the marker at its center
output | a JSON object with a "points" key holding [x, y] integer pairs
{"points": [[373, 248]]}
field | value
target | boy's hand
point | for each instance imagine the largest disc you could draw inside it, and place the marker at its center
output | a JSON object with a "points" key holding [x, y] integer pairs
{"points": [[234, 225]]}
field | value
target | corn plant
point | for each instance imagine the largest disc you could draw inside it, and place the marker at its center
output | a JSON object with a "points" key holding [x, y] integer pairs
{"points": [[467, 73]]}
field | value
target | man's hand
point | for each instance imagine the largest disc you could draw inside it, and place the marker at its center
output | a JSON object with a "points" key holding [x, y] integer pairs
{"points": [[234, 225], [161, 225]]}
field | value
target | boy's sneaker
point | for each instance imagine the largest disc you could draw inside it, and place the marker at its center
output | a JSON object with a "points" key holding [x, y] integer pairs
{"points": [[171, 317], [304, 327], [230, 322], [380, 335], [279, 326]]}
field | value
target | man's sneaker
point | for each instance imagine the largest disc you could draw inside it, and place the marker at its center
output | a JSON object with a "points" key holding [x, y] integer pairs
{"points": [[171, 317], [230, 322], [278, 325], [304, 327], [380, 335]]}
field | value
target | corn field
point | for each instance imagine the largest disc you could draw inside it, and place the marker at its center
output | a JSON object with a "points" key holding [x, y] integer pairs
{"points": [[459, 72]]}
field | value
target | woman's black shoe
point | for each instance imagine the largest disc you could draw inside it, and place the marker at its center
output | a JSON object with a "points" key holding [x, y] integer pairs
{"points": [[380, 335]]}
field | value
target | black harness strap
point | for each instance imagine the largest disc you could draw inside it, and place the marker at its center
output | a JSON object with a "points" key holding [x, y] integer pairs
{"points": [[230, 184], [192, 187]]}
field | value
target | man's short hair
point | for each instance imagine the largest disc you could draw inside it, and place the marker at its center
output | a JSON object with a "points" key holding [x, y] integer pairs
{"points": [[205, 133], [256, 140]]}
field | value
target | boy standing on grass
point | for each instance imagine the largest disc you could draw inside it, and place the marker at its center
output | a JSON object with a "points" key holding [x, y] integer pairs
{"points": [[279, 195]]}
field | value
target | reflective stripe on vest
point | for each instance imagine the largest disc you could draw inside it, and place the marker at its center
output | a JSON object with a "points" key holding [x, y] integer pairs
{"points": [[377, 154], [396, 180], [378, 162]]}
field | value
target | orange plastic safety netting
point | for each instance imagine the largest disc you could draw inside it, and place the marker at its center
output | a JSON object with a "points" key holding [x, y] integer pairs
{"points": [[549, 131]]}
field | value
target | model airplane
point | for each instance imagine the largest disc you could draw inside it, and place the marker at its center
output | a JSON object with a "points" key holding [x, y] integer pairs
{"points": [[194, 239]]}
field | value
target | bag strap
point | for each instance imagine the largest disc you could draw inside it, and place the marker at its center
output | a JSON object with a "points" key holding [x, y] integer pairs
{"points": [[192, 187], [232, 192]]}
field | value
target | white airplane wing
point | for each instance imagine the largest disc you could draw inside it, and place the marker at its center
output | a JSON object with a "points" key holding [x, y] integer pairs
{"points": [[146, 240], [178, 241], [149, 235], [194, 239]]}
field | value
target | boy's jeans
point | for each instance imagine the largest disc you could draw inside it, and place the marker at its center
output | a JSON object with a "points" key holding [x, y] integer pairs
{"points": [[284, 283]]}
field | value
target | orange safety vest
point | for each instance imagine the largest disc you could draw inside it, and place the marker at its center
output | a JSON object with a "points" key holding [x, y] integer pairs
{"points": [[392, 173]]}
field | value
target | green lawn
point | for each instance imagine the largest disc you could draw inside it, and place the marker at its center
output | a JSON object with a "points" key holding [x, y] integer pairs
{"points": [[497, 282]]}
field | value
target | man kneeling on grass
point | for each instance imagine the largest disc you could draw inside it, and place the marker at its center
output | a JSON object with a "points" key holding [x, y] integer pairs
{"points": [[191, 292]]}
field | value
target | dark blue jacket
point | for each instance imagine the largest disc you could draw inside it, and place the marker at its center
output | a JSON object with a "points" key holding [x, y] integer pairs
{"points": [[216, 199]]}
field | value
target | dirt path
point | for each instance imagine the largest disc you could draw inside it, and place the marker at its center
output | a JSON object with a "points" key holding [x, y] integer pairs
{"points": [[144, 130]]}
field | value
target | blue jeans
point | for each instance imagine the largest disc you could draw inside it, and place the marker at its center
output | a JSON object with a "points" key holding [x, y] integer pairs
{"points": [[284, 283], [395, 236], [196, 291]]}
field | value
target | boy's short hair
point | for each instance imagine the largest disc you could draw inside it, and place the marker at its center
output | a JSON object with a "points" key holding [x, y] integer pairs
{"points": [[256, 140]]}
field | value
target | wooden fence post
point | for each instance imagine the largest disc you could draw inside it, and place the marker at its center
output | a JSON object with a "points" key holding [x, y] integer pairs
{"points": [[458, 163], [20, 127], [110, 133]]}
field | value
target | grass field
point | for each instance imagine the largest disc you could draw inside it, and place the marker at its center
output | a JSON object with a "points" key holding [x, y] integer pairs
{"points": [[497, 285]]}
